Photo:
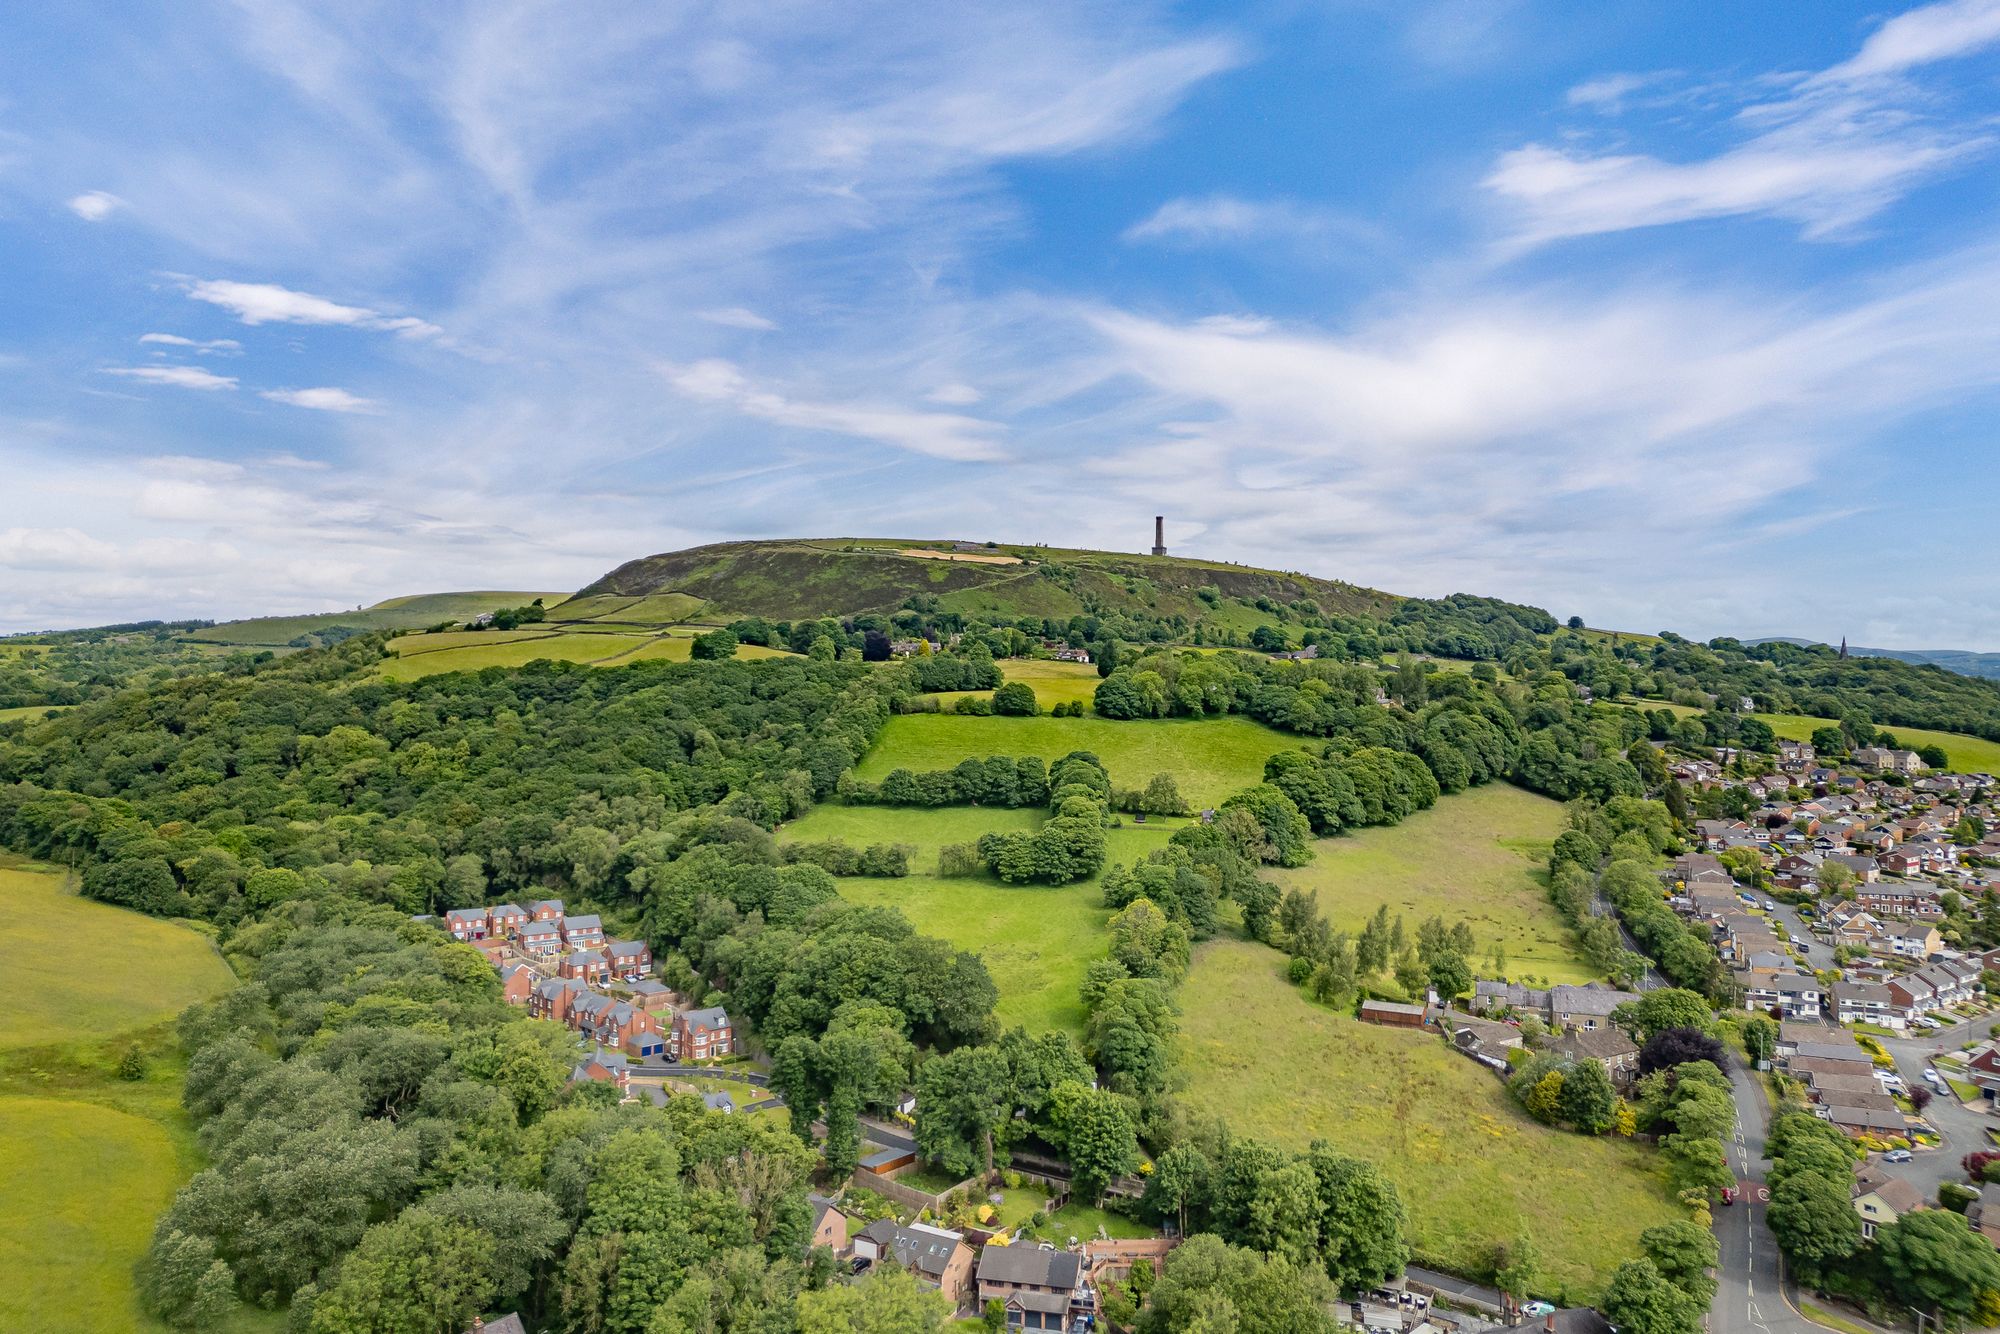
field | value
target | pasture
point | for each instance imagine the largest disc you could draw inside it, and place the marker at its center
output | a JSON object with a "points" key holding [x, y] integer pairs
{"points": [[654, 609], [1967, 754], [1210, 758], [1053, 682], [1472, 1168], [31, 713], [79, 969], [1037, 940], [403, 613], [1477, 856]]}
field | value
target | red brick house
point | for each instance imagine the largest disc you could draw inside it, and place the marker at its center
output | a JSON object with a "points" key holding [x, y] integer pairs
{"points": [[604, 1067], [583, 932], [541, 938], [466, 923], [630, 959], [585, 966], [548, 910], [517, 984], [702, 1035], [554, 997], [505, 919]]}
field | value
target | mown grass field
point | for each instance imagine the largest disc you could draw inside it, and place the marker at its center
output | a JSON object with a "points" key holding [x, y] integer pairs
{"points": [[1209, 758], [417, 656], [78, 969], [1037, 940], [403, 613], [1476, 856], [87, 1159], [1473, 1169], [1053, 682]]}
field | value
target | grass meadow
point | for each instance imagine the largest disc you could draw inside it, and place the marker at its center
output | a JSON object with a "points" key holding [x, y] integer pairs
{"points": [[404, 613], [88, 1160], [1053, 682], [1210, 758], [1037, 940], [78, 969], [417, 656], [1476, 856], [31, 713], [1472, 1168]]}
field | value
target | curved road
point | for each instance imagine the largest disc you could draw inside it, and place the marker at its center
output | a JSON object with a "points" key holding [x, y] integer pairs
{"points": [[1750, 1295]]}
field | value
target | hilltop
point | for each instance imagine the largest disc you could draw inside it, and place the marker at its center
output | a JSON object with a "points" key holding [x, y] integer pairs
{"points": [[794, 579]]}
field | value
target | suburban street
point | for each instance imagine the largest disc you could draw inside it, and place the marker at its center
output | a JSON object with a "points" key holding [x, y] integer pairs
{"points": [[1818, 954], [1963, 1130], [1749, 1293]]}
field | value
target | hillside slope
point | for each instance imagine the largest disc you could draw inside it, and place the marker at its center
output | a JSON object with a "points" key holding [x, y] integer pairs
{"points": [[790, 580], [403, 613]]}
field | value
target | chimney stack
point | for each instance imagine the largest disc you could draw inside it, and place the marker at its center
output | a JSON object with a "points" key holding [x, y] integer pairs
{"points": [[1549, 1322], [1159, 535]]}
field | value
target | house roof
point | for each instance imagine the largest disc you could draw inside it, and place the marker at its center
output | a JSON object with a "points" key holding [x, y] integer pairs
{"points": [[1597, 1044], [1030, 1265], [1898, 1194], [500, 1324], [583, 922], [712, 1017], [1599, 1001], [925, 1249]]}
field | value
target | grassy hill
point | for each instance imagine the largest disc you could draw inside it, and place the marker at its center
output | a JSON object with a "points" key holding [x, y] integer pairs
{"points": [[404, 613], [790, 580]]}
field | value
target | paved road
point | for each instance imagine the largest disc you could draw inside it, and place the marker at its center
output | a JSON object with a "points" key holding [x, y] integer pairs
{"points": [[1963, 1130], [1749, 1293], [1818, 953], [887, 1135]]}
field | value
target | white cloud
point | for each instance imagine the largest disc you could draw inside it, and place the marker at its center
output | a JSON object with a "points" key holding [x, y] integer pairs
{"points": [[324, 399], [204, 346], [1922, 36], [52, 549], [954, 395], [267, 303], [1826, 152], [738, 317], [179, 377], [95, 205], [1218, 217], [941, 435]]}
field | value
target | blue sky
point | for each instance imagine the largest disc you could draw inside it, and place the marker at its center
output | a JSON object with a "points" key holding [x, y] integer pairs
{"points": [[1672, 315]]}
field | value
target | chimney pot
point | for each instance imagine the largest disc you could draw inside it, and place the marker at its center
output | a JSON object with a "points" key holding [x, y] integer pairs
{"points": [[1549, 1322]]}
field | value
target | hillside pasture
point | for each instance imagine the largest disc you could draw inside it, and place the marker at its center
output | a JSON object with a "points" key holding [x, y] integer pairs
{"points": [[1053, 682], [80, 969], [1967, 754], [401, 613], [654, 609], [1209, 758], [1472, 1168], [1037, 940], [1476, 856], [496, 649]]}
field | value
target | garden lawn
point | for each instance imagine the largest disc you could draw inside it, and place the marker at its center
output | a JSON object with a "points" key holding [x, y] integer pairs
{"points": [[1477, 856], [1037, 940], [1472, 1168], [1210, 758], [79, 969]]}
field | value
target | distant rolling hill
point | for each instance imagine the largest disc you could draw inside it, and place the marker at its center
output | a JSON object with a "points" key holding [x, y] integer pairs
{"points": [[315, 629], [1966, 662], [793, 580]]}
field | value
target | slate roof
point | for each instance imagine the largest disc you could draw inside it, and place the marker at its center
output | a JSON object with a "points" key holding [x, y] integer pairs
{"points": [[1030, 1265], [927, 1250]]}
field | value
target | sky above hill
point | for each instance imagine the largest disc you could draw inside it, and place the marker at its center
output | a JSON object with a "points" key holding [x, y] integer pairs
{"points": [[1670, 315]]}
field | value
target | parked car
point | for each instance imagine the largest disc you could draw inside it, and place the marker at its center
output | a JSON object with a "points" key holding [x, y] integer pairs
{"points": [[1933, 1077], [1896, 1156], [1770, 906], [1537, 1310]]}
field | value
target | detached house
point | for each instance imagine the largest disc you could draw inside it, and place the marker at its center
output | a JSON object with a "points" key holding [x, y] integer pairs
{"points": [[518, 983], [583, 932], [1912, 940], [1871, 1003], [467, 924], [541, 938], [506, 919], [585, 966], [936, 1258], [702, 1035], [604, 1067], [630, 959], [548, 910], [1040, 1289]]}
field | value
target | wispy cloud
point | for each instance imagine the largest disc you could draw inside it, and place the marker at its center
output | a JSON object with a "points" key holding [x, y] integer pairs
{"points": [[178, 377], [1608, 92], [266, 303], [1214, 218], [198, 345], [941, 435], [738, 317], [1827, 152], [95, 205], [323, 399]]}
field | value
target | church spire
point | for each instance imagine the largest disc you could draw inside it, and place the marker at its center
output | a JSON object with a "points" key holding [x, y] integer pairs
{"points": [[1843, 646]]}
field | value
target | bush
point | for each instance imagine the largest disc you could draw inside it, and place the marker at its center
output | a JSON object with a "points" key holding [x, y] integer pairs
{"points": [[1016, 699], [714, 646]]}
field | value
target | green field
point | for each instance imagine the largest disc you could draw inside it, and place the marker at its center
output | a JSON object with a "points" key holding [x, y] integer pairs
{"points": [[1210, 758], [1476, 857], [87, 1159], [1968, 754], [1037, 940], [31, 712], [78, 969], [1472, 1168], [418, 656], [1053, 682], [657, 609], [403, 613]]}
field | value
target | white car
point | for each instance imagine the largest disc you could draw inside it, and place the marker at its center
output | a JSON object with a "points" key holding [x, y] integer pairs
{"points": [[1933, 1077]]}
